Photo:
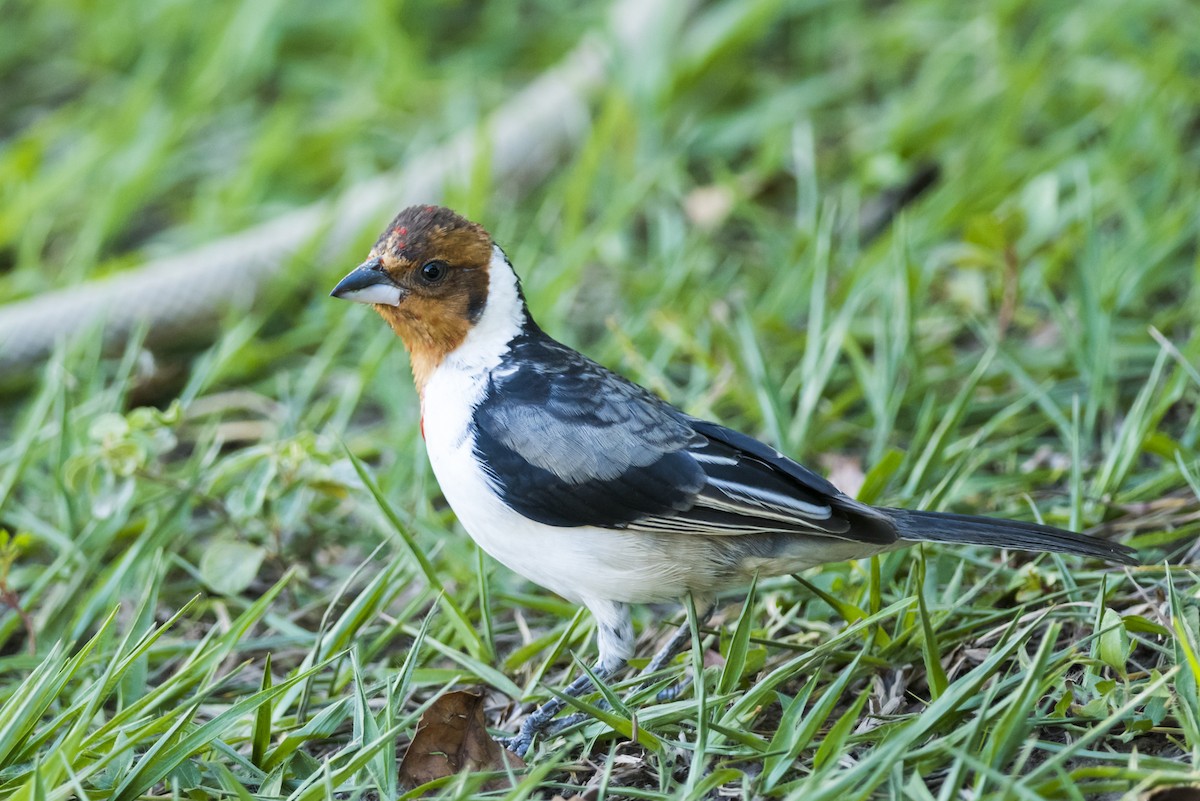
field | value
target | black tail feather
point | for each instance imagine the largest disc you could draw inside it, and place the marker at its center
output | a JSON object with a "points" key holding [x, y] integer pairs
{"points": [[1000, 533]]}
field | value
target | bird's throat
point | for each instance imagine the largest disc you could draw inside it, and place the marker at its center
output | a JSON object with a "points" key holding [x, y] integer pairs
{"points": [[427, 337]]}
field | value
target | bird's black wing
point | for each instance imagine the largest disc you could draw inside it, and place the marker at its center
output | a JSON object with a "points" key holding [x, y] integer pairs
{"points": [[569, 443]]}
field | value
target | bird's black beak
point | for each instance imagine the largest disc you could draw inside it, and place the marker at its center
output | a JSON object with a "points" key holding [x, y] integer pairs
{"points": [[369, 283]]}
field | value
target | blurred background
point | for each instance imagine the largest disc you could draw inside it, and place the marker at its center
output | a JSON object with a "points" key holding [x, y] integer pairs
{"points": [[944, 251]]}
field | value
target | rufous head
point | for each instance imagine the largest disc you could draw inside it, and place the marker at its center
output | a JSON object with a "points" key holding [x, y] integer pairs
{"points": [[427, 276]]}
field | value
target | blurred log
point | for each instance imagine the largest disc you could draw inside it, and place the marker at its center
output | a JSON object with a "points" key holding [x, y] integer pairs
{"points": [[185, 294]]}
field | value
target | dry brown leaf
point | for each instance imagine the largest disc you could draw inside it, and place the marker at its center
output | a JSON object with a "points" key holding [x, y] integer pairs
{"points": [[708, 206], [452, 737]]}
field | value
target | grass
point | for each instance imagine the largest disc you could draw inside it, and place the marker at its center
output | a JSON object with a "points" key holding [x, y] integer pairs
{"points": [[234, 573]]}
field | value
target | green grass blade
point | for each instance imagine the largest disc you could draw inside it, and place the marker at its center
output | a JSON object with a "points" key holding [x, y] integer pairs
{"points": [[930, 651], [462, 624], [739, 644]]}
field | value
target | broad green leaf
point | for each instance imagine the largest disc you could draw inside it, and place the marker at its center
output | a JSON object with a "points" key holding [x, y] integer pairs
{"points": [[229, 566]]}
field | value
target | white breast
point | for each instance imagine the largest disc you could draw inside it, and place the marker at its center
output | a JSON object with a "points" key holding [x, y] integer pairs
{"points": [[581, 564]]}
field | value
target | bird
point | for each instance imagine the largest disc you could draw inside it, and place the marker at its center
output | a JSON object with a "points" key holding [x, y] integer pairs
{"points": [[590, 485]]}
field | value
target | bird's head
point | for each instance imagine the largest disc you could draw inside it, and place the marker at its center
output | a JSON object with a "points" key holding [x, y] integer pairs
{"points": [[428, 276]]}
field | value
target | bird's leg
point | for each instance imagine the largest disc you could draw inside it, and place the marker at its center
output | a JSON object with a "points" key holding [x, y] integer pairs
{"points": [[681, 638], [669, 651], [614, 636], [540, 718]]}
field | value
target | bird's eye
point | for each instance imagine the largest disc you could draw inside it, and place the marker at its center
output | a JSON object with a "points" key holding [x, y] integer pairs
{"points": [[434, 271]]}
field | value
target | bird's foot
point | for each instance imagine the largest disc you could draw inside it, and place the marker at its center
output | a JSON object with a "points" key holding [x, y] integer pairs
{"points": [[519, 743], [673, 692], [539, 720], [563, 724], [533, 725], [542, 719]]}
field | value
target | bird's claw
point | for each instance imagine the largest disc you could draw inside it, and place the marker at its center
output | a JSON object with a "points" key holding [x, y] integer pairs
{"points": [[519, 743], [534, 724]]}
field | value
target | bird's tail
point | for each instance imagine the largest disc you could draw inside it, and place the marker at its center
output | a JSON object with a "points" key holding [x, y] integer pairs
{"points": [[1000, 533]]}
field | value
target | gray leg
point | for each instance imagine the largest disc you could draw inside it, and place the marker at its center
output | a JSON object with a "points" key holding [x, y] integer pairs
{"points": [[614, 636], [673, 646], [540, 718], [681, 638]]}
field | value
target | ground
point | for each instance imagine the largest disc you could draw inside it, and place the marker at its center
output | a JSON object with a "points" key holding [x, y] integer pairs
{"points": [[945, 253]]}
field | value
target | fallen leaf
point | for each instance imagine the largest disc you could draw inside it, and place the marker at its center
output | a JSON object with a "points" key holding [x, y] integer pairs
{"points": [[229, 566], [452, 737], [708, 206]]}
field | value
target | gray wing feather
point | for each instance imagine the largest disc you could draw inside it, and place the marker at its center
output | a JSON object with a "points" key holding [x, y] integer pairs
{"points": [[569, 443]]}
